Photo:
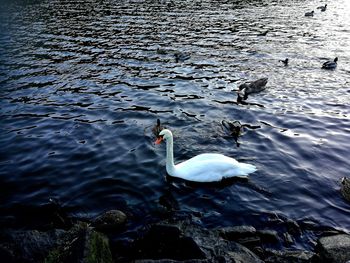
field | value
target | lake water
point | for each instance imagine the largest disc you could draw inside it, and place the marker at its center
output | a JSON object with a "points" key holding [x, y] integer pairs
{"points": [[83, 83]]}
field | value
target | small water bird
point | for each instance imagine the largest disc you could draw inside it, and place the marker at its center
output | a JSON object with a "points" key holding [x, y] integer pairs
{"points": [[161, 51], [285, 62], [181, 57], [263, 33], [330, 64], [310, 13], [157, 128], [236, 128], [206, 167], [248, 88], [323, 8]]}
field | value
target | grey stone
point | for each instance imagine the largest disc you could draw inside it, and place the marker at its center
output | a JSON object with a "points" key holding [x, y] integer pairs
{"points": [[288, 239], [290, 256], [236, 232], [345, 188], [183, 241], [293, 227], [268, 236], [335, 248], [29, 245], [249, 242], [81, 244], [96, 248], [171, 261], [110, 220]]}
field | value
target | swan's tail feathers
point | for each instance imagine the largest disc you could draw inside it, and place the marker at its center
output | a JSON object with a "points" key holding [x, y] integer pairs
{"points": [[246, 168]]}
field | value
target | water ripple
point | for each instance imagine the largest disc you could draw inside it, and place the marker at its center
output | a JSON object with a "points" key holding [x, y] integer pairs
{"points": [[82, 83]]}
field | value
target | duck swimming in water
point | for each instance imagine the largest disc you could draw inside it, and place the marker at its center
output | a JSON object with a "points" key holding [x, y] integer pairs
{"points": [[330, 64], [207, 167], [181, 57], [236, 128], [323, 8], [248, 88], [263, 33], [157, 128], [285, 62], [310, 13]]}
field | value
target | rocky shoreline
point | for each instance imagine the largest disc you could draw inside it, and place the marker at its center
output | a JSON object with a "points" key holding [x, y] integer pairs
{"points": [[110, 237]]}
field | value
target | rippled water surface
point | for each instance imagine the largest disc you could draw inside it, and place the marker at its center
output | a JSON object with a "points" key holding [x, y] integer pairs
{"points": [[83, 83]]}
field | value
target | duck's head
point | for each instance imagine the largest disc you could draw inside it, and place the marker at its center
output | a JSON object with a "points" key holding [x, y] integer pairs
{"points": [[242, 86], [336, 60], [164, 135], [242, 90]]}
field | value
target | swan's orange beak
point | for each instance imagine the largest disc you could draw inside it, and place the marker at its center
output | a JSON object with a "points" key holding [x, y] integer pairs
{"points": [[159, 140]]}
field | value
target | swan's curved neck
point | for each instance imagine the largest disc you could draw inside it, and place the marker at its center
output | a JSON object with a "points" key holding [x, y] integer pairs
{"points": [[170, 167]]}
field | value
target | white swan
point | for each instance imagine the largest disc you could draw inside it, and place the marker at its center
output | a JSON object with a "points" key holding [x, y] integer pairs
{"points": [[207, 167]]}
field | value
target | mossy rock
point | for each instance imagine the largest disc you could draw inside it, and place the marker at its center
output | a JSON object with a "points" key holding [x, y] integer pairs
{"points": [[81, 244], [97, 248]]}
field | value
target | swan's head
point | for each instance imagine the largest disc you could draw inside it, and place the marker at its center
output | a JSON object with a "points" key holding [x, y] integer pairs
{"points": [[164, 135]]}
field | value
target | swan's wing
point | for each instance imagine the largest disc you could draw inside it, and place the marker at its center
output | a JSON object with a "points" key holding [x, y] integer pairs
{"points": [[212, 157]]}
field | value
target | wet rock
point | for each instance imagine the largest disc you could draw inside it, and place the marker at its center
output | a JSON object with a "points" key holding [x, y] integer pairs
{"points": [[110, 220], [345, 188], [81, 244], [268, 236], [96, 248], [334, 248], [244, 235], [28, 246], [290, 256], [182, 241], [167, 241], [288, 239], [292, 227], [172, 261], [236, 232], [249, 242], [318, 228]]}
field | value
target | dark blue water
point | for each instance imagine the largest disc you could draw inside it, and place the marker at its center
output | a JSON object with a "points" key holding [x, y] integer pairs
{"points": [[82, 85]]}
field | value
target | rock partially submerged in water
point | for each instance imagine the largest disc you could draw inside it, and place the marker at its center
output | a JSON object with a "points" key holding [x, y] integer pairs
{"points": [[335, 248], [183, 241], [110, 220], [177, 239], [345, 188], [290, 256], [28, 245], [80, 244]]}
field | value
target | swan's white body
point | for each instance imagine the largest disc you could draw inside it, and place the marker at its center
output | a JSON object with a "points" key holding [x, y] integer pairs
{"points": [[207, 167]]}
